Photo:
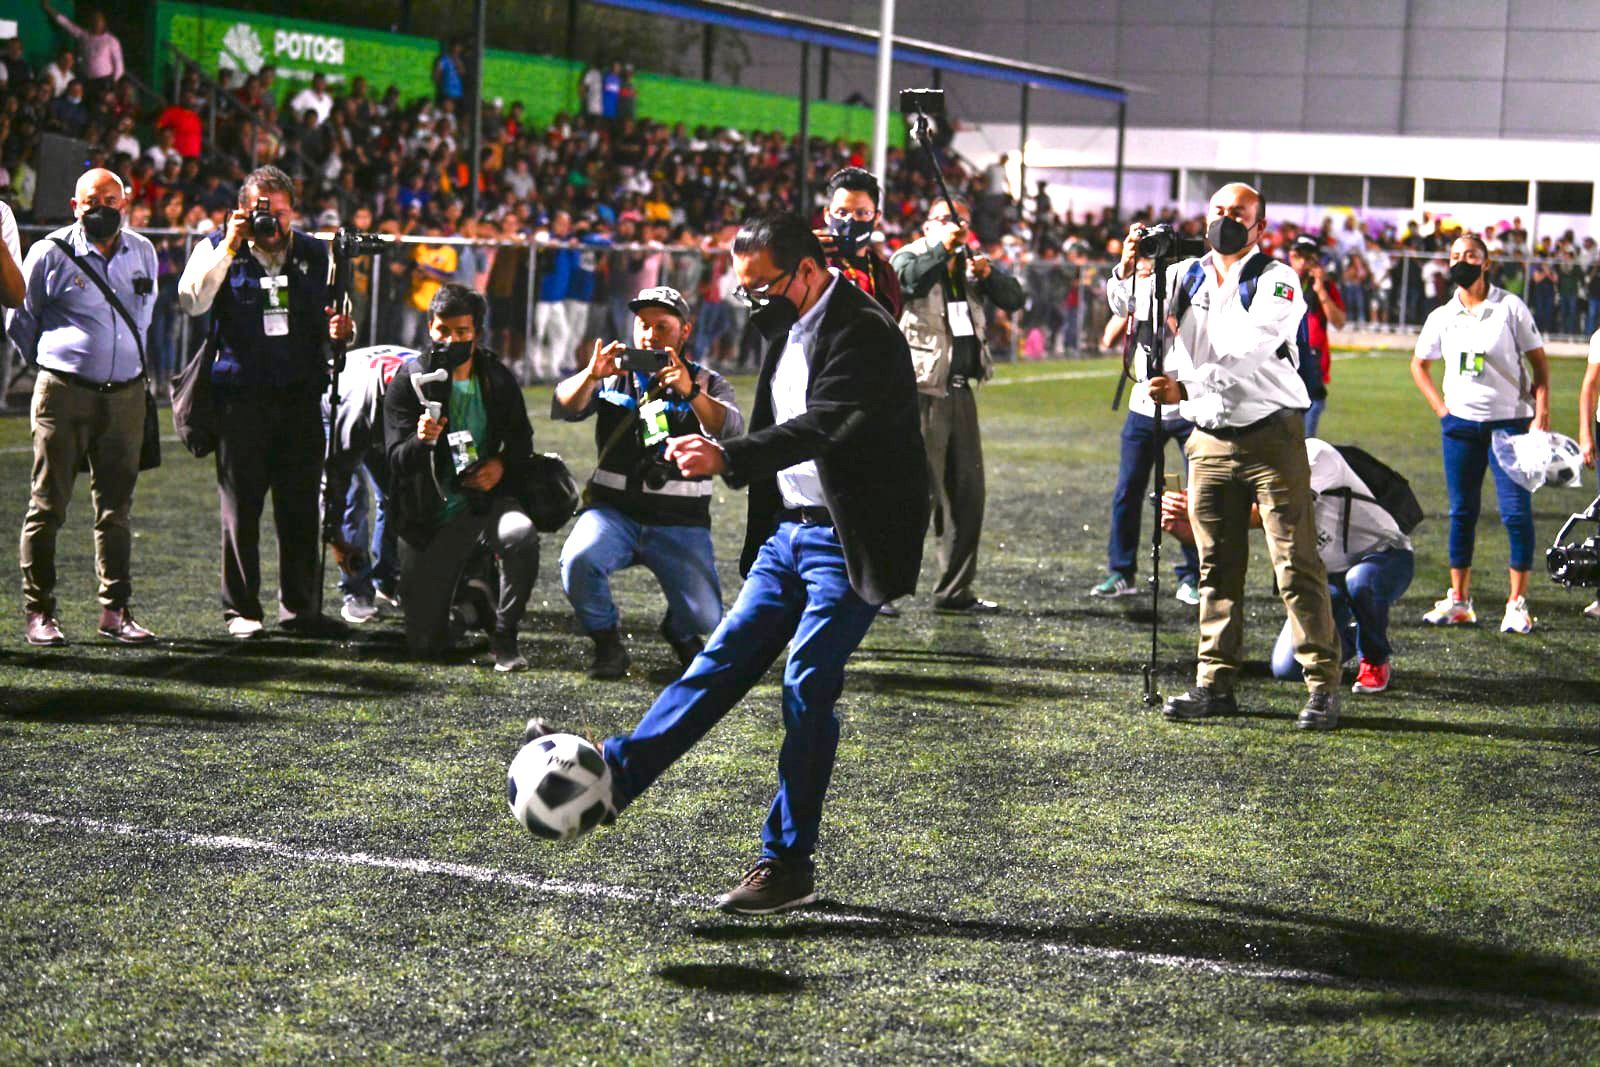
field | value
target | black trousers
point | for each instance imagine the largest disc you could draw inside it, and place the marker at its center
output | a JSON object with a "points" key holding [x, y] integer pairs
{"points": [[430, 575], [270, 441]]}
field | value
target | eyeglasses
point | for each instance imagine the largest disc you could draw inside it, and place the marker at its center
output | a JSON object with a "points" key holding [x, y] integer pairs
{"points": [[760, 293], [948, 219], [860, 214]]}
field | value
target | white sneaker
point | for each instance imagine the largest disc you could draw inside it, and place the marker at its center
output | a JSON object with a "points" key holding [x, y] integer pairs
{"points": [[1187, 594], [243, 628], [357, 610], [1517, 619], [1593, 610], [1451, 611]]}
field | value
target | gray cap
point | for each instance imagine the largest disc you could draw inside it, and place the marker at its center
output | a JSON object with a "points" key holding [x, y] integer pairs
{"points": [[661, 296]]}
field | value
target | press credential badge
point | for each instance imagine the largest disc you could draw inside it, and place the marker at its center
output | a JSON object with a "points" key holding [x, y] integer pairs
{"points": [[960, 316], [653, 416], [463, 449], [275, 308]]}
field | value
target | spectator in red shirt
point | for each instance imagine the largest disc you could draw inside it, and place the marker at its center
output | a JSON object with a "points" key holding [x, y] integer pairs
{"points": [[184, 122], [1324, 306]]}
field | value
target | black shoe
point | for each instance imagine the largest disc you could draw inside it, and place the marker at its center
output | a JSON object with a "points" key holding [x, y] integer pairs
{"points": [[1320, 713], [536, 729], [1198, 703], [610, 657], [975, 606], [315, 626], [771, 885], [506, 657], [687, 649]]}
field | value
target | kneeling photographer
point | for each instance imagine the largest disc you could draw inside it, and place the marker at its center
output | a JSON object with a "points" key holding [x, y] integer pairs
{"points": [[638, 509], [460, 450]]}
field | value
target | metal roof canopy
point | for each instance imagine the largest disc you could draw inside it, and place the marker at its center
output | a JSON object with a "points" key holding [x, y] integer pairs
{"points": [[845, 38]]}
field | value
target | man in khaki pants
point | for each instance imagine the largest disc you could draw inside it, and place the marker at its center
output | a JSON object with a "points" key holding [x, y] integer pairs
{"points": [[1237, 312], [88, 400]]}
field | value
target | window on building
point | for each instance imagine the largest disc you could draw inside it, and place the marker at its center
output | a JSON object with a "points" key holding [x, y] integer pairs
{"points": [[1470, 192], [1390, 192], [1344, 189], [1566, 198]]}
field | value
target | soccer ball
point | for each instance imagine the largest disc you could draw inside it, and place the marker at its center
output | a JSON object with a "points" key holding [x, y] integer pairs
{"points": [[559, 787], [1566, 463]]}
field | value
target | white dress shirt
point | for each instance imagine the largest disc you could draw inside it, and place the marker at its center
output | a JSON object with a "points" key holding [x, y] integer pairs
{"points": [[1173, 363], [800, 486], [1372, 529], [1235, 375]]}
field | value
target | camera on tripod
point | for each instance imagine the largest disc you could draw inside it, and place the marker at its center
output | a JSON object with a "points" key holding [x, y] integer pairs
{"points": [[1164, 242], [1576, 564]]}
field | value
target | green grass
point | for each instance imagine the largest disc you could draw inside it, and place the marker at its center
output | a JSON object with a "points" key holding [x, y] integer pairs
{"points": [[1021, 863]]}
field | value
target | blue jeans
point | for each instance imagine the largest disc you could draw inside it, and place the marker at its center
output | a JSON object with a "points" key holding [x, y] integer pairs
{"points": [[1355, 301], [383, 566], [604, 541], [1128, 503], [1594, 315], [1361, 599], [1313, 415], [1466, 455], [797, 588]]}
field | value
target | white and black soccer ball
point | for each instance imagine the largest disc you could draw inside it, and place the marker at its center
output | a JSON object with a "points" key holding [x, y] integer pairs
{"points": [[559, 787], [1565, 469]]}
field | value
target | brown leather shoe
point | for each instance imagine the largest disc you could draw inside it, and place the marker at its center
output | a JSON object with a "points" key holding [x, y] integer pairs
{"points": [[43, 630], [118, 624]]}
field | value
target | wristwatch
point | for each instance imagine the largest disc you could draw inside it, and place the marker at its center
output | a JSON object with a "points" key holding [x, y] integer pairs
{"points": [[693, 392]]}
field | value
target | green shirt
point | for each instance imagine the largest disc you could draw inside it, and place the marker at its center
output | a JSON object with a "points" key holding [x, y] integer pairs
{"points": [[467, 429]]}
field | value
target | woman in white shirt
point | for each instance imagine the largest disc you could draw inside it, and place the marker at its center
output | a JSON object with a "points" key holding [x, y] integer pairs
{"points": [[1496, 377]]}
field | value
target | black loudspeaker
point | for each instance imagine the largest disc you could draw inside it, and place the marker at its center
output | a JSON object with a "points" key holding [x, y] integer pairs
{"points": [[60, 162]]}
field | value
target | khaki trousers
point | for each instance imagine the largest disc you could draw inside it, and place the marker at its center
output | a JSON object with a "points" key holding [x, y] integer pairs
{"points": [[1266, 466], [71, 422], [954, 444]]}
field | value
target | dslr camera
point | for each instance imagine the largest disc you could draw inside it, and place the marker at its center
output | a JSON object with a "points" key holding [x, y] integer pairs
{"points": [[263, 223], [1163, 242]]}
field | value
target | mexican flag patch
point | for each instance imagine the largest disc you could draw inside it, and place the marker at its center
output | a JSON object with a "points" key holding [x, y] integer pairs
{"points": [[1283, 290]]}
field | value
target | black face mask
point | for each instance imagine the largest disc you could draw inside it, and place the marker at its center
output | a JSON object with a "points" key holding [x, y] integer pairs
{"points": [[774, 318], [1465, 274], [1227, 236], [849, 234], [450, 354], [101, 223]]}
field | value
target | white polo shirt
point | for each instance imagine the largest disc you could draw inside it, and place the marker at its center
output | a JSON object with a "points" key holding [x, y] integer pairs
{"points": [[1485, 376], [1235, 376], [1371, 529], [1594, 344]]}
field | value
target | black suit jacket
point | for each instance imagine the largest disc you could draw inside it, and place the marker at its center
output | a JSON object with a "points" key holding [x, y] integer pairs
{"points": [[862, 427]]}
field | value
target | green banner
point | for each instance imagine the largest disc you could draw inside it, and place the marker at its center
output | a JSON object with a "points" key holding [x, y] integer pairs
{"points": [[225, 38]]}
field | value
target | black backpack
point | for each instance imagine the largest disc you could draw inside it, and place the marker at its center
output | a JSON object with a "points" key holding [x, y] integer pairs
{"points": [[1390, 490]]}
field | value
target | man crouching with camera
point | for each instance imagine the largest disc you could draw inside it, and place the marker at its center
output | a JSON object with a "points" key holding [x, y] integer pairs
{"points": [[637, 507], [459, 448]]}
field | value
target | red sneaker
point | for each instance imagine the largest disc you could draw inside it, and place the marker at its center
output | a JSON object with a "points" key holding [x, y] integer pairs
{"points": [[1371, 678]]}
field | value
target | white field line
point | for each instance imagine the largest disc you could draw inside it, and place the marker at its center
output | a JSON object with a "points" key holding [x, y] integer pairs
{"points": [[1112, 372], [561, 887]]}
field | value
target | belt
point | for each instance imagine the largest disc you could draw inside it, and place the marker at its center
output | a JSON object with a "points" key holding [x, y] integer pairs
{"points": [[94, 386], [1233, 433], [806, 516]]}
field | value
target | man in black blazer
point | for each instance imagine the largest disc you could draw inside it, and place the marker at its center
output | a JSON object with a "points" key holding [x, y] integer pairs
{"points": [[838, 509]]}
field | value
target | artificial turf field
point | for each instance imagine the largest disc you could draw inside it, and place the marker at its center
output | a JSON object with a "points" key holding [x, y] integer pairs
{"points": [[289, 850]]}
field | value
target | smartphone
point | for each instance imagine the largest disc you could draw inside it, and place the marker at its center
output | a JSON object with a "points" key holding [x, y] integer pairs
{"points": [[645, 360], [1171, 481]]}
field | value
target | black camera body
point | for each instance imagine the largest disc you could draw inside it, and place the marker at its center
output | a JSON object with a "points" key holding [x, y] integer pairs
{"points": [[643, 360], [655, 471], [349, 244], [1576, 564], [1164, 242], [263, 223]]}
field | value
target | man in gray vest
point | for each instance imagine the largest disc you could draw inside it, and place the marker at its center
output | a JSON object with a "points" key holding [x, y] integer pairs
{"points": [[88, 399], [945, 285]]}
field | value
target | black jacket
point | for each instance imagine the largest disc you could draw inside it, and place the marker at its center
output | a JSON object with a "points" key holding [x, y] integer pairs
{"points": [[417, 469], [862, 427]]}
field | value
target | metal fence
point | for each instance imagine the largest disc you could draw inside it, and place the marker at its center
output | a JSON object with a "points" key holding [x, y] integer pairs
{"points": [[544, 315]]}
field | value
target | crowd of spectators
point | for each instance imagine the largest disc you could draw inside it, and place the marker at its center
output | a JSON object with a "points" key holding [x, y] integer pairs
{"points": [[607, 176]]}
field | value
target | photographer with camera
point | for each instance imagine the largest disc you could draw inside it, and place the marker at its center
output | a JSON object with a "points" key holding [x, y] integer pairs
{"points": [[1237, 312], [271, 322], [944, 323], [638, 507], [459, 450], [854, 199]]}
